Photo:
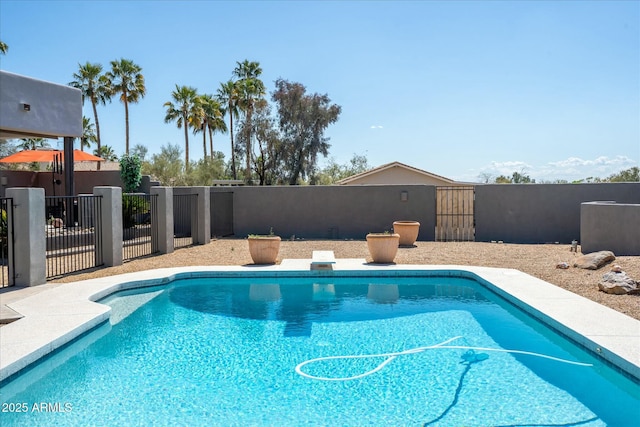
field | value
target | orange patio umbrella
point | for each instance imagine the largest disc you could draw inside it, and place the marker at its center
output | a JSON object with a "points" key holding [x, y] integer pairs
{"points": [[29, 156]]}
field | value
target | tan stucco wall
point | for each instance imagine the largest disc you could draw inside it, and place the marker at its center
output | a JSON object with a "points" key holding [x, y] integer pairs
{"points": [[398, 175]]}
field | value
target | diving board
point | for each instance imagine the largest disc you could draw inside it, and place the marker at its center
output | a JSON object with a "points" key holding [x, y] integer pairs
{"points": [[322, 260]]}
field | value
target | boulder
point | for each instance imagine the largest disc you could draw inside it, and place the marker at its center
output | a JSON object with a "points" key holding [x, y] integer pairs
{"points": [[618, 284], [594, 260]]}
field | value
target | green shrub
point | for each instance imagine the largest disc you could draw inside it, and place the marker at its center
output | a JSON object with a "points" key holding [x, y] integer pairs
{"points": [[135, 210]]}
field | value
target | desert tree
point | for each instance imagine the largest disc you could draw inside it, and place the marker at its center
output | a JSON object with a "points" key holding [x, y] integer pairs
{"points": [[303, 119]]}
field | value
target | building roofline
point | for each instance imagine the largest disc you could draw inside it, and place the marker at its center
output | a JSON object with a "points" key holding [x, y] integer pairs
{"points": [[390, 166]]}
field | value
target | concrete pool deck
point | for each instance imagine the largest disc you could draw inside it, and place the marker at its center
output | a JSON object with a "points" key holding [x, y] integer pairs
{"points": [[52, 315]]}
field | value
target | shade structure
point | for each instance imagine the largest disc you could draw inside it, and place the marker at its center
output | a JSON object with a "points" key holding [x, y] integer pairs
{"points": [[29, 156]]}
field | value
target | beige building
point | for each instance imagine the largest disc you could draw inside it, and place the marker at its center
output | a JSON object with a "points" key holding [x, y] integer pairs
{"points": [[398, 173], [454, 206]]}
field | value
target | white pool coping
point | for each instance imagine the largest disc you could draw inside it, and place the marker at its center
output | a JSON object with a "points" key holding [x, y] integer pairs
{"points": [[59, 313]]}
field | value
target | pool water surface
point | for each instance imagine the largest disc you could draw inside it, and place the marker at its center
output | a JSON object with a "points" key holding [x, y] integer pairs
{"points": [[441, 351]]}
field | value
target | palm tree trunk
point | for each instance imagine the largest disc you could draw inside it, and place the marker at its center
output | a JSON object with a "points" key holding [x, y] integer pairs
{"points": [[186, 144], [247, 173], [233, 151], [204, 140], [186, 148], [95, 115], [126, 121], [210, 142]]}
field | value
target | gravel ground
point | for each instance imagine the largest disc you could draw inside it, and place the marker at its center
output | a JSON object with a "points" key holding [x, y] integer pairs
{"points": [[537, 260]]}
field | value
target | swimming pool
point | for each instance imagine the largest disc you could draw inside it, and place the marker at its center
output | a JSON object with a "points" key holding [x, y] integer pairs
{"points": [[239, 351]]}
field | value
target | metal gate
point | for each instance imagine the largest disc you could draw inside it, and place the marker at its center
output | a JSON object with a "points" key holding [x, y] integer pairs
{"points": [[139, 231], [454, 214], [73, 234], [6, 242]]}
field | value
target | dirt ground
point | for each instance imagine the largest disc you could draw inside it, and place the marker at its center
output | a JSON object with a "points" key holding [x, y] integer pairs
{"points": [[537, 260]]}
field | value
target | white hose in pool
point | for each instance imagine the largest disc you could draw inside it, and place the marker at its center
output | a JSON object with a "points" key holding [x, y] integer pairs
{"points": [[391, 356]]}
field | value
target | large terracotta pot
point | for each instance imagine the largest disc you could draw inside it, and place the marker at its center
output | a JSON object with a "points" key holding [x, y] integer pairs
{"points": [[408, 231], [383, 247], [264, 249]]}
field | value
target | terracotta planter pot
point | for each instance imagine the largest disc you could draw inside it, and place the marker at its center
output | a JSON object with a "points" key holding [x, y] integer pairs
{"points": [[408, 231], [264, 249], [383, 247]]}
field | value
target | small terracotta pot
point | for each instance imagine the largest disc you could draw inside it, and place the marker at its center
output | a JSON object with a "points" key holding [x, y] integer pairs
{"points": [[264, 249], [408, 231], [383, 247]]}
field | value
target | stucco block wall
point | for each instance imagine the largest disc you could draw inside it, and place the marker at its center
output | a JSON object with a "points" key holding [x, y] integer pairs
{"points": [[9, 179], [85, 181], [541, 213], [54, 110], [610, 227], [330, 212]]}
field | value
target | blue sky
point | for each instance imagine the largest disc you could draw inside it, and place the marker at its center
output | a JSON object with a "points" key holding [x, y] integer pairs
{"points": [[457, 88]]}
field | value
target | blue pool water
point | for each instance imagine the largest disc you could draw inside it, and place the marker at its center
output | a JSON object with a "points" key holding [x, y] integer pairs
{"points": [[224, 352]]}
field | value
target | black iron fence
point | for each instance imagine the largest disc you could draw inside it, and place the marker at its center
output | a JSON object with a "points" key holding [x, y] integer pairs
{"points": [[138, 230], [185, 219], [6, 242], [73, 234]]}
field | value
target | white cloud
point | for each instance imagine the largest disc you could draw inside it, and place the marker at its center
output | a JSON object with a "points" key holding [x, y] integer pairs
{"points": [[600, 161], [506, 168], [575, 168], [570, 169], [376, 127]]}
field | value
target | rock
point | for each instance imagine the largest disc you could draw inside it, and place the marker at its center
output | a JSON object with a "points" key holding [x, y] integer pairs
{"points": [[618, 284], [616, 268], [594, 260], [563, 265]]}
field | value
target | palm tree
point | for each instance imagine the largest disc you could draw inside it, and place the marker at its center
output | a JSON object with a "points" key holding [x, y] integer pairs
{"points": [[181, 110], [198, 120], [250, 89], [33, 143], [3, 48], [107, 153], [95, 86], [228, 96], [213, 119], [88, 134], [126, 79], [247, 70]]}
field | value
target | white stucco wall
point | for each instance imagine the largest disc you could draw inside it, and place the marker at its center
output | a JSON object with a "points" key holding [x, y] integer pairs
{"points": [[55, 110]]}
